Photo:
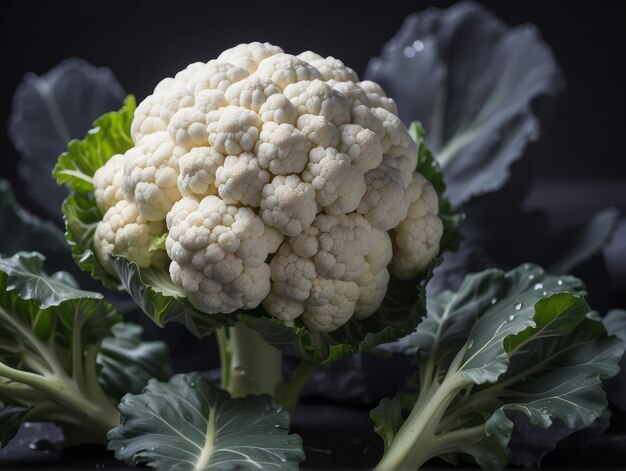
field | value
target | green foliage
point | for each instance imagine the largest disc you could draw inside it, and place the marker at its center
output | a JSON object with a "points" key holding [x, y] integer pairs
{"points": [[127, 363], [110, 135], [51, 334], [190, 424], [521, 342]]}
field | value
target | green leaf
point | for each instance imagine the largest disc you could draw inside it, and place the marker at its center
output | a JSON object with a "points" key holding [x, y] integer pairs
{"points": [[390, 414], [398, 315], [162, 301], [25, 275], [518, 342], [81, 218], [476, 132], [44, 315], [190, 424], [110, 135], [127, 363], [428, 166], [11, 418], [158, 243], [49, 110]]}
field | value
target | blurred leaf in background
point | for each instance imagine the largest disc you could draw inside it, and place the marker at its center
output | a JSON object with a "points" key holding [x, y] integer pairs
{"points": [[48, 112]]}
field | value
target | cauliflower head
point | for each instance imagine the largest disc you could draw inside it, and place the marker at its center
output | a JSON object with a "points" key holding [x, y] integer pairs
{"points": [[282, 179]]}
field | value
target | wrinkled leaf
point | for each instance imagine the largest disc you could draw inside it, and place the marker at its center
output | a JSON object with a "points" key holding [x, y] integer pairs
{"points": [[110, 135], [11, 418], [81, 218], [48, 308], [525, 342], [48, 111], [471, 81], [162, 301], [25, 275], [127, 362], [615, 323], [190, 424]]}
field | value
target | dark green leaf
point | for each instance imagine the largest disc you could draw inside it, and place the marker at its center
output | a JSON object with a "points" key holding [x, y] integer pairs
{"points": [[163, 301], [390, 414], [110, 135], [25, 276], [615, 323], [189, 424], [45, 316], [518, 342], [27, 232], [81, 218], [127, 363], [48, 111], [11, 418], [399, 314], [471, 80]]}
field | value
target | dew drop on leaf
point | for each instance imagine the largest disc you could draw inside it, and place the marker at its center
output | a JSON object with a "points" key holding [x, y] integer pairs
{"points": [[518, 306], [511, 317], [531, 277], [560, 282], [538, 286], [494, 300]]}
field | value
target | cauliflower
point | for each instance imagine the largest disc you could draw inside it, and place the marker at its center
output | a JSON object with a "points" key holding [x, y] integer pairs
{"points": [[124, 231], [283, 181]]}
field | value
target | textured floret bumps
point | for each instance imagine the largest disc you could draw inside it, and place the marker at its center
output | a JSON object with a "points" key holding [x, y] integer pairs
{"points": [[283, 181]]}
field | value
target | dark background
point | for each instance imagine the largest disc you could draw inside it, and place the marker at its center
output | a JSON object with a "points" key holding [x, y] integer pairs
{"points": [[143, 41]]}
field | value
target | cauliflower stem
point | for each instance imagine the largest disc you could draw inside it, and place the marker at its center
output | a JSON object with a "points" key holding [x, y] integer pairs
{"points": [[250, 365]]}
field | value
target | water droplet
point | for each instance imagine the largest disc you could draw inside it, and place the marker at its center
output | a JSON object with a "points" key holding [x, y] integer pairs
{"points": [[409, 52], [418, 45], [279, 409], [518, 306], [526, 266], [192, 384], [276, 425], [122, 448], [470, 343], [494, 300], [560, 282], [27, 425], [544, 411], [531, 277], [41, 444], [283, 459], [151, 448], [538, 286], [545, 293], [511, 317]]}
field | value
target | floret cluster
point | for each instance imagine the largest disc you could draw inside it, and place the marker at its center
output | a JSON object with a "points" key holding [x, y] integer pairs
{"points": [[282, 180]]}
